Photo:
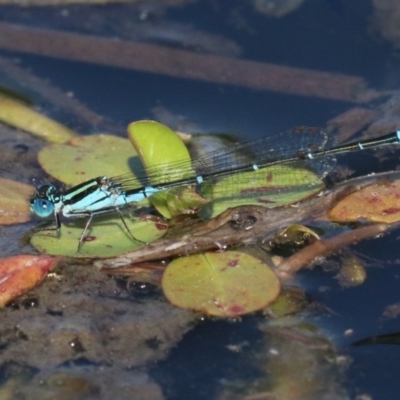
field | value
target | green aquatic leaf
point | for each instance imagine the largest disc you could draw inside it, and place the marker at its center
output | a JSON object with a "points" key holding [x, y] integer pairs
{"points": [[269, 187], [178, 201], [19, 114], [88, 157], [106, 236], [224, 284], [159, 149], [165, 158]]}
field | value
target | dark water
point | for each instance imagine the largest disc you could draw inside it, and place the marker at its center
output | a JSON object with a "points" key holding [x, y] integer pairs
{"points": [[330, 35]]}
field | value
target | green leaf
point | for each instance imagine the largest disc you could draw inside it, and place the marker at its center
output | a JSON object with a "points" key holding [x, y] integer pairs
{"points": [[159, 149], [178, 201], [225, 284], [106, 236], [87, 157], [18, 114], [269, 187], [165, 158]]}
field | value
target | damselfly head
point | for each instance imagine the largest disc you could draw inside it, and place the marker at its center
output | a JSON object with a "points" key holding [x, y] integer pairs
{"points": [[42, 201]]}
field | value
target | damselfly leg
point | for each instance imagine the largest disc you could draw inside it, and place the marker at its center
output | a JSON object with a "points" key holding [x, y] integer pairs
{"points": [[89, 221]]}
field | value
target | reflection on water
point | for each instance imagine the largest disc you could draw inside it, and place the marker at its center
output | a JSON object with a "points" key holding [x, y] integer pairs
{"points": [[90, 337]]}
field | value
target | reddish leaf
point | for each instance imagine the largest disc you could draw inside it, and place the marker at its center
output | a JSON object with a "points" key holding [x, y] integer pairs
{"points": [[376, 203], [19, 274]]}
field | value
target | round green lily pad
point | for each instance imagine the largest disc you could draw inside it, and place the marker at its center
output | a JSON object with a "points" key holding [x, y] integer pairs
{"points": [[224, 284], [106, 236], [88, 157]]}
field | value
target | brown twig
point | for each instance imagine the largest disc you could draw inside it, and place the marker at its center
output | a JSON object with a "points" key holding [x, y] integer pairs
{"points": [[184, 64], [303, 258]]}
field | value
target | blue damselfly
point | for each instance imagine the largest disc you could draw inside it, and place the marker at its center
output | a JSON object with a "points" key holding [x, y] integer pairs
{"points": [[303, 148]]}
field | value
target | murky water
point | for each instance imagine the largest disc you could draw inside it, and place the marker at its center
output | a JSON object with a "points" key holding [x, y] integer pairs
{"points": [[106, 341]]}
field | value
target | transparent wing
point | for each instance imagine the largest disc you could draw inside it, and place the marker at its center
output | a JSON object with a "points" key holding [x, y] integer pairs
{"points": [[274, 151]]}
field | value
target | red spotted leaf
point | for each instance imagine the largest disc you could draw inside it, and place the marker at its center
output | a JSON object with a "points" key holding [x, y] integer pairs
{"points": [[19, 274], [379, 202], [224, 284]]}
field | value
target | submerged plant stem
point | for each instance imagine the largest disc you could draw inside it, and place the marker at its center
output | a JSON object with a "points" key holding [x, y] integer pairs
{"points": [[184, 64]]}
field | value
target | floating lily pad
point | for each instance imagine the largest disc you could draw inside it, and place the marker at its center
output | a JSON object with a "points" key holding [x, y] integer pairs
{"points": [[88, 157], [270, 187], [165, 158], [18, 114], [163, 154], [376, 203], [106, 236], [225, 284], [14, 205], [18, 274]]}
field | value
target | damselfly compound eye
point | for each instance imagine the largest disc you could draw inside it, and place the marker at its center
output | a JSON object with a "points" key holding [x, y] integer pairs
{"points": [[42, 208]]}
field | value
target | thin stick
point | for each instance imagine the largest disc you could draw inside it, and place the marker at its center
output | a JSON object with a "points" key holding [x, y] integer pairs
{"points": [[321, 248], [184, 64]]}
